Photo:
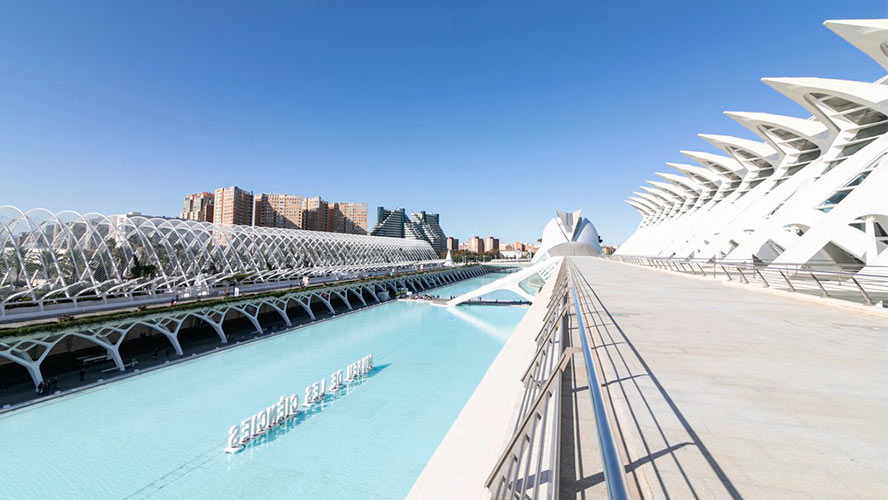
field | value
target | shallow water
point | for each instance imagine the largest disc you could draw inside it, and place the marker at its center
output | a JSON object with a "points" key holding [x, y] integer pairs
{"points": [[161, 434]]}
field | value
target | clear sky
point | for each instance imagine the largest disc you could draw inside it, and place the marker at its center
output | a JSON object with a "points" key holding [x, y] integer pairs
{"points": [[493, 114]]}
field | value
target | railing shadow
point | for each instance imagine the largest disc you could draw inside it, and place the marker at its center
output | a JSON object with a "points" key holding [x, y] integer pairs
{"points": [[608, 353]]}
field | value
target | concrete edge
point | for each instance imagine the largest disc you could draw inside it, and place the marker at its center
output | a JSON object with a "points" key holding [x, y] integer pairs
{"points": [[468, 452]]}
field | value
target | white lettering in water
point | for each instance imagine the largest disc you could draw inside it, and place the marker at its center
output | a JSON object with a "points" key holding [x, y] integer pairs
{"points": [[287, 407]]}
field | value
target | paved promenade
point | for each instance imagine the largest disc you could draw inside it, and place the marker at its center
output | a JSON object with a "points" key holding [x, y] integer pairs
{"points": [[717, 391], [725, 392]]}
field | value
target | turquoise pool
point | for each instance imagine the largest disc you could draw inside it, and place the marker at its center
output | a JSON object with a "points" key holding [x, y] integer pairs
{"points": [[162, 434]]}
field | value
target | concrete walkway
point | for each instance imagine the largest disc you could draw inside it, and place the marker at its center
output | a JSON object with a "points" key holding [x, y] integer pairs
{"points": [[724, 392]]}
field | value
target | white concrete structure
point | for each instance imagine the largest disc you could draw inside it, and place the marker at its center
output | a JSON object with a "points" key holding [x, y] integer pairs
{"points": [[31, 350], [57, 260], [512, 282], [565, 234], [814, 193], [568, 234]]}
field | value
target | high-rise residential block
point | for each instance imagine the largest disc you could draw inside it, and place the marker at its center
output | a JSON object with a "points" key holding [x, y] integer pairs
{"points": [[354, 217], [315, 213], [278, 210], [347, 217], [491, 245], [199, 207], [452, 244], [233, 205], [476, 245]]}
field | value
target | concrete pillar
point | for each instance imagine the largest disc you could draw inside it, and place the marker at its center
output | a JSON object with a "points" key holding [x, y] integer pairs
{"points": [[344, 298], [872, 251]]}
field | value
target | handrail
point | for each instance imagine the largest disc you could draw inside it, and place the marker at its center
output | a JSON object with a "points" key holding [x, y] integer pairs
{"points": [[870, 288], [613, 469], [534, 445]]}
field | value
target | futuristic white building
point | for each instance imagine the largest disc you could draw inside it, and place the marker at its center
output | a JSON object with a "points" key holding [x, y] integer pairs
{"points": [[52, 259], [568, 234], [812, 192]]}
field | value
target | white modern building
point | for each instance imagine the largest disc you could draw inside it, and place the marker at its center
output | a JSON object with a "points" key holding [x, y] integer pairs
{"points": [[808, 192], [568, 234], [53, 260]]}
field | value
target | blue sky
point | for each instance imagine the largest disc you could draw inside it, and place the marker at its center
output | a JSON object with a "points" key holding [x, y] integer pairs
{"points": [[492, 113]]}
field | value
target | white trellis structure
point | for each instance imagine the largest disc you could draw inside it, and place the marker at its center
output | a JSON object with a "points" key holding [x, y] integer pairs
{"points": [[32, 350], [66, 259]]}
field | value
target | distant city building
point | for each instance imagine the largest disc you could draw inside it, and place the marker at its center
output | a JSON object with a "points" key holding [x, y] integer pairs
{"points": [[315, 214], [347, 217], [278, 210], [452, 244], [389, 223], [421, 226], [476, 245], [518, 246], [491, 245], [608, 249], [426, 226], [233, 205], [199, 207]]}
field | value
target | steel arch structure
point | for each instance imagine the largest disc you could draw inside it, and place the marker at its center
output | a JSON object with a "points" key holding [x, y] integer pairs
{"points": [[48, 258]]}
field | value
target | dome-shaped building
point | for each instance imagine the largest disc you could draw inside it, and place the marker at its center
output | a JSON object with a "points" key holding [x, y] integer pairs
{"points": [[568, 234]]}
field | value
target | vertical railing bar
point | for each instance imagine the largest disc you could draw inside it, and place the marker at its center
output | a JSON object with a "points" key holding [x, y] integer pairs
{"points": [[508, 475], [539, 465], [822, 290], [866, 296], [527, 463], [761, 276], [556, 444], [518, 459], [787, 280]]}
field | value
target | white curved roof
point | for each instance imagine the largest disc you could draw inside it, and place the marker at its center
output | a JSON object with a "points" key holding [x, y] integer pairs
{"points": [[868, 35], [688, 184], [568, 234], [709, 160], [705, 173], [756, 148], [812, 130]]}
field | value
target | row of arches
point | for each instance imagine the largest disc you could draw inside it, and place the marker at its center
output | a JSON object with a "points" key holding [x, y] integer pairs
{"points": [[261, 314]]}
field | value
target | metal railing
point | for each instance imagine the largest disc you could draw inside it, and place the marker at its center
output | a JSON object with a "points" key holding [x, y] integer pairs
{"points": [[613, 469], [529, 465], [855, 283]]}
